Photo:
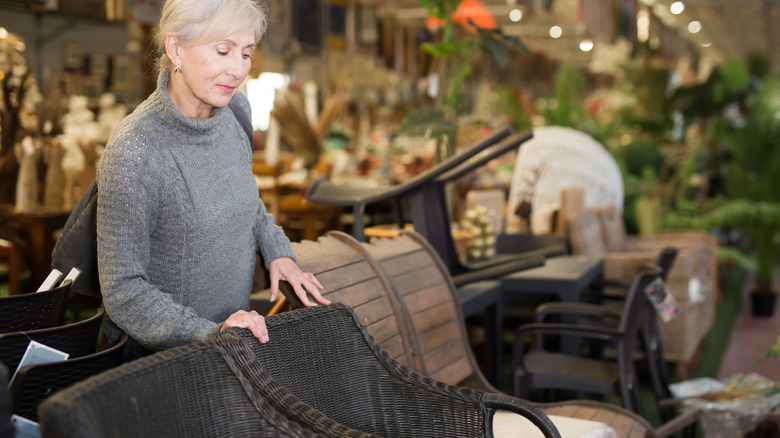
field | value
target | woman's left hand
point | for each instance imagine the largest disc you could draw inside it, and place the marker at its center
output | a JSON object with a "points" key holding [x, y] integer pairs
{"points": [[285, 268]]}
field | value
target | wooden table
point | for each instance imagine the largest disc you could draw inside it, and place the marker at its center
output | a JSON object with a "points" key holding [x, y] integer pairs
{"points": [[36, 227]]}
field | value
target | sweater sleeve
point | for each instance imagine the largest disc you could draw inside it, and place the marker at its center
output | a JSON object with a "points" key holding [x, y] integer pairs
{"points": [[127, 200], [270, 239]]}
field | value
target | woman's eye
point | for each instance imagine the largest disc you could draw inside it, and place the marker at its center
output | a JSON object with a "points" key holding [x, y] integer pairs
{"points": [[222, 53], [247, 56]]}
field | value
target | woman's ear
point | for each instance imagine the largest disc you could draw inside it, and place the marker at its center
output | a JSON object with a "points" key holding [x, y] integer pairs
{"points": [[172, 49]]}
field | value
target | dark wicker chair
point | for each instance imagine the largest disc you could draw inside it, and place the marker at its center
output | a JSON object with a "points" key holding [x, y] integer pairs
{"points": [[539, 368], [6, 427], [195, 390], [77, 339], [33, 311], [34, 383], [327, 359]]}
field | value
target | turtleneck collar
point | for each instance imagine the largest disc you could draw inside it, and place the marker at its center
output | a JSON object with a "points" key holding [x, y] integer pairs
{"points": [[171, 114]]}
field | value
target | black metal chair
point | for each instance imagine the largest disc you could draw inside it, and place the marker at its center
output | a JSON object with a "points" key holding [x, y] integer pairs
{"points": [[77, 339], [649, 341], [539, 368], [34, 383], [34, 311], [326, 358], [426, 195]]}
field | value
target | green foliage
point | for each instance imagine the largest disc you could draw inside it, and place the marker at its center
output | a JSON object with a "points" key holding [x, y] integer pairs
{"points": [[510, 103], [734, 78], [441, 9], [456, 60], [566, 108], [640, 155], [754, 166]]}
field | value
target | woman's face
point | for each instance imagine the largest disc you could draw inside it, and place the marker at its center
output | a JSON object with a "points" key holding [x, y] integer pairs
{"points": [[211, 73]]}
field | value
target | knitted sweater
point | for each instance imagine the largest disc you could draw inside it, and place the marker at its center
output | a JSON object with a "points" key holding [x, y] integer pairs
{"points": [[179, 221]]}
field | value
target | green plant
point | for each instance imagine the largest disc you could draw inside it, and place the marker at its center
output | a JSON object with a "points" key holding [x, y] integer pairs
{"points": [[753, 178], [455, 55]]}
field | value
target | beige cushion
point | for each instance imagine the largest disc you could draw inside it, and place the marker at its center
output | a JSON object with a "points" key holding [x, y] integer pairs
{"points": [[508, 424], [613, 230], [585, 234]]}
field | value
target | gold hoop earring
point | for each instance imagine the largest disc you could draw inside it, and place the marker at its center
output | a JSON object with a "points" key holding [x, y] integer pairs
{"points": [[177, 69]]}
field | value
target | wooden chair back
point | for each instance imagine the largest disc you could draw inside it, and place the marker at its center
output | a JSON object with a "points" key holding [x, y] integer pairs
{"points": [[352, 277], [428, 300]]}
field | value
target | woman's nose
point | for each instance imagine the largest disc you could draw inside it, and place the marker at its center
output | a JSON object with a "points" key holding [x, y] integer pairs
{"points": [[239, 67]]}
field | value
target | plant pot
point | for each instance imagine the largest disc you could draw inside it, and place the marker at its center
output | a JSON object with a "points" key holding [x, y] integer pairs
{"points": [[763, 303]]}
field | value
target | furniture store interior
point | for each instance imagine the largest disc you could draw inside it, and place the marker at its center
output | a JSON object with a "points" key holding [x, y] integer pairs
{"points": [[553, 218]]}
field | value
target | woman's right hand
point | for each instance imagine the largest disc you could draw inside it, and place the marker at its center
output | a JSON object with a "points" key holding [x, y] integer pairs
{"points": [[250, 320]]}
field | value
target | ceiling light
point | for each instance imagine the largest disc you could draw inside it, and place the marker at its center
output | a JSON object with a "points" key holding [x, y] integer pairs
{"points": [[677, 7], [694, 26], [515, 15], [556, 32], [586, 45], [706, 44]]}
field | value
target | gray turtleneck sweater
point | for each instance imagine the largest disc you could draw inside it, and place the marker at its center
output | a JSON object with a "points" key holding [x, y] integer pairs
{"points": [[179, 221]]}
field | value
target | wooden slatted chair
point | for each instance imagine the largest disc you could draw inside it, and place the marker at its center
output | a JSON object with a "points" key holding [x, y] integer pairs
{"points": [[427, 305], [351, 277]]}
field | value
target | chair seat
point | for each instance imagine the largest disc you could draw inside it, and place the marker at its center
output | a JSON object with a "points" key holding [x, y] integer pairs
{"points": [[556, 370], [508, 424]]}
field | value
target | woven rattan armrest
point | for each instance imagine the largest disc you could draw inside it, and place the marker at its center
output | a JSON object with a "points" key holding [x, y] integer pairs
{"points": [[325, 357]]}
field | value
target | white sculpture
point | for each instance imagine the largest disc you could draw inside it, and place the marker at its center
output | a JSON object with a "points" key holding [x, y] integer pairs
{"points": [[554, 159], [27, 153], [53, 153], [80, 131], [110, 114]]}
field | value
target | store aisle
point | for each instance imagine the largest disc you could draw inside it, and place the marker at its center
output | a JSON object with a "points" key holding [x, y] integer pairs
{"points": [[750, 339]]}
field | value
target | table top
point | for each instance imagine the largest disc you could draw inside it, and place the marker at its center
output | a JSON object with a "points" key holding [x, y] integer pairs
{"points": [[565, 267], [565, 275]]}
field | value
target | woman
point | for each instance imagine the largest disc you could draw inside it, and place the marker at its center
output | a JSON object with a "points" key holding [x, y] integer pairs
{"points": [[179, 217]]}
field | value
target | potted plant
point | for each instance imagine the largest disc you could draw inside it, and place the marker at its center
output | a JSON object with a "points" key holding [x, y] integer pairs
{"points": [[466, 32], [752, 180]]}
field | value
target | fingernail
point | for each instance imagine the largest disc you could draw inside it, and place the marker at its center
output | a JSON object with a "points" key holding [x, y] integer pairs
{"points": [[264, 339]]}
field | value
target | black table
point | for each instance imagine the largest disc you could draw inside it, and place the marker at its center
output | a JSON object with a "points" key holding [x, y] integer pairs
{"points": [[565, 276]]}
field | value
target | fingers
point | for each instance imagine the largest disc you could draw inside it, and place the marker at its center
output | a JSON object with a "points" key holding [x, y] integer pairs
{"points": [[274, 288], [286, 269], [249, 320]]}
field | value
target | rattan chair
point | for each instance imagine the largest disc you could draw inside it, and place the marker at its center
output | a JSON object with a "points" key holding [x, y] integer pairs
{"points": [[77, 339], [6, 407], [32, 384], [326, 358], [34, 311], [196, 390]]}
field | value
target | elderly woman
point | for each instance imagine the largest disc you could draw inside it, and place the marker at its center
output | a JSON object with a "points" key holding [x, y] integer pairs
{"points": [[179, 218]]}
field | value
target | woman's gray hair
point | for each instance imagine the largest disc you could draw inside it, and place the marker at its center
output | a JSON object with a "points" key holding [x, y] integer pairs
{"points": [[201, 21]]}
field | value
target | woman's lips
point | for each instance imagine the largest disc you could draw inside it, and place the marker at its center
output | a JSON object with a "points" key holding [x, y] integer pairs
{"points": [[226, 89]]}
